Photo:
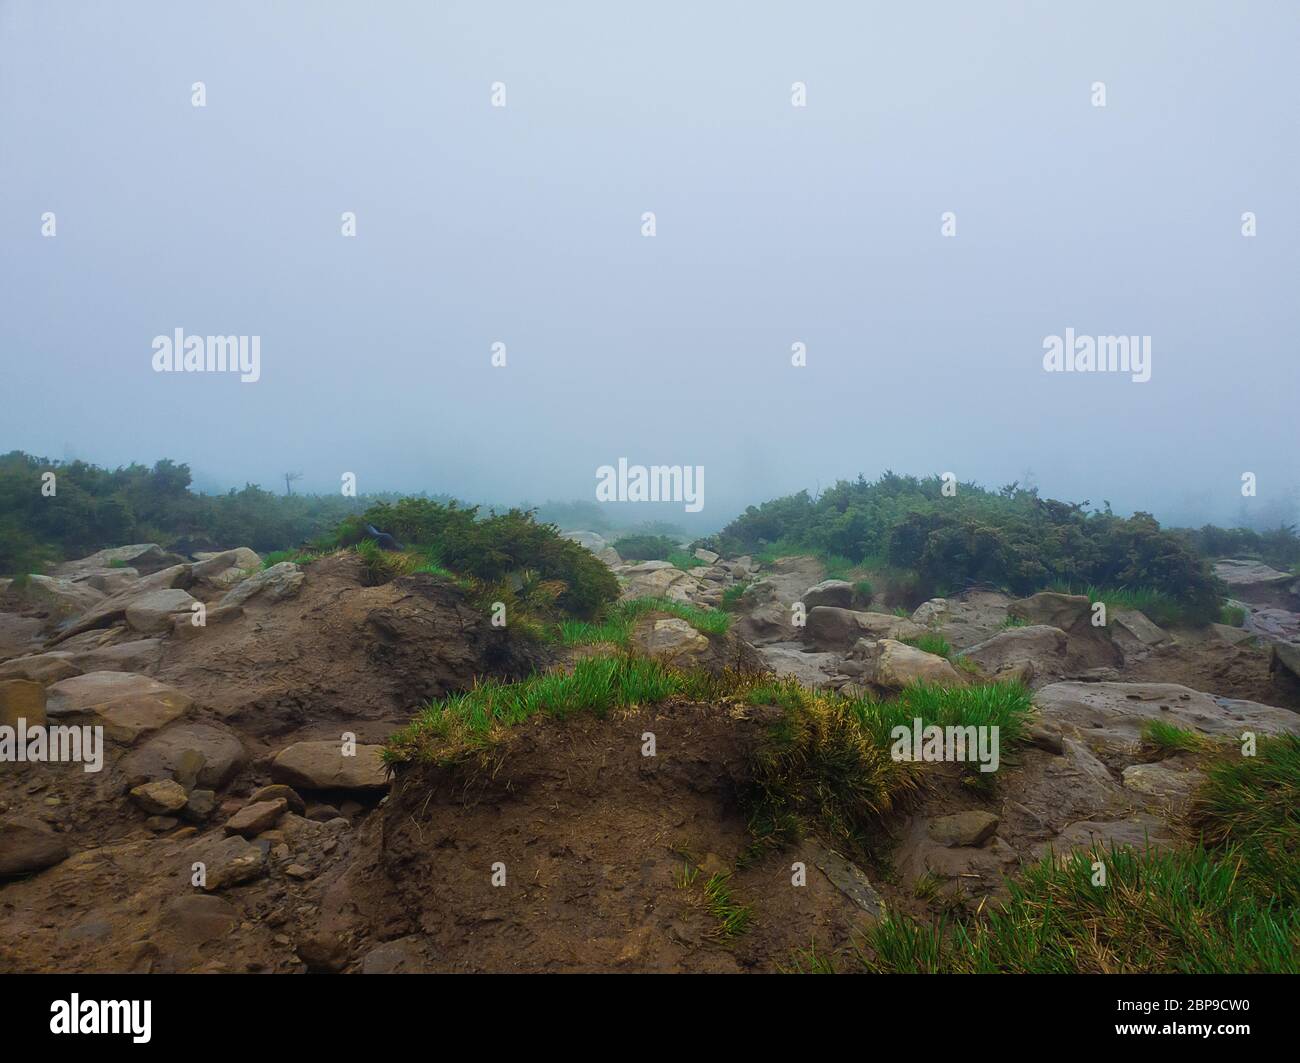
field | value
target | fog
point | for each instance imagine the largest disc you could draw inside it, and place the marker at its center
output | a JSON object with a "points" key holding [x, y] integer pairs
{"points": [[775, 225]]}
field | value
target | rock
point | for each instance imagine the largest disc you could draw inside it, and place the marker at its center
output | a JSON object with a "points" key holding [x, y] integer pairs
{"points": [[707, 556], [161, 824], [1285, 657], [210, 753], [970, 618], [1046, 736], [127, 705], [791, 658], [160, 798], [588, 539], [111, 581], [252, 819], [62, 597], [656, 579], [21, 699], [200, 806], [1233, 636], [836, 593], [1110, 716], [110, 610], [393, 957], [322, 952], [670, 640], [197, 918], [831, 628], [28, 845], [138, 655], [270, 585], [143, 557], [44, 668], [1157, 780], [1133, 632], [898, 665], [152, 612], [1250, 574], [1041, 646], [228, 862], [848, 878], [228, 568], [277, 792], [1071, 613], [322, 766], [973, 827], [323, 813], [1140, 832]]}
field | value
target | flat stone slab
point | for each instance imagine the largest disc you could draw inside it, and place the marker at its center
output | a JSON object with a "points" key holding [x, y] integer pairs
{"points": [[322, 766], [127, 705]]}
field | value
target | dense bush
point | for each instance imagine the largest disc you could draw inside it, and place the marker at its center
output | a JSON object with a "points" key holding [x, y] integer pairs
{"points": [[495, 547], [1010, 538], [645, 547]]}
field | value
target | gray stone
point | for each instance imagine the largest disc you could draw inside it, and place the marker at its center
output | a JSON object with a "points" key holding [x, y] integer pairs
{"points": [[973, 827]]}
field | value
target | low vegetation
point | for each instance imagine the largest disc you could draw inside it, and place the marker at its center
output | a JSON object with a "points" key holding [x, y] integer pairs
{"points": [[1227, 902], [1010, 538], [617, 621]]}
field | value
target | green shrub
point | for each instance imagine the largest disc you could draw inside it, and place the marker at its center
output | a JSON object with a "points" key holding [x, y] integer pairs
{"points": [[645, 547]]}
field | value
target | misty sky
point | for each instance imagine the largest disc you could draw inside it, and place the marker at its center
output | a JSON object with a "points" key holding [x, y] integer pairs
{"points": [[775, 224]]}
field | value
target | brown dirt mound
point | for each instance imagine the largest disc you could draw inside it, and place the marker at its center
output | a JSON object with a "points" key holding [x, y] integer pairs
{"points": [[340, 651], [594, 837], [1202, 663]]}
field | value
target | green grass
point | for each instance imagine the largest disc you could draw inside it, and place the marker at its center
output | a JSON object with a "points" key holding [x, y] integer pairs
{"points": [[447, 728], [931, 642], [1253, 803], [1180, 911], [828, 760], [298, 557], [616, 625], [1169, 738], [685, 561], [1161, 609], [807, 961], [1233, 616], [732, 595], [733, 918], [1015, 621], [864, 591]]}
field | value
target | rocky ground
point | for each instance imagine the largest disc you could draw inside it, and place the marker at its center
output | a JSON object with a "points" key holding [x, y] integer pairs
{"points": [[232, 829]]}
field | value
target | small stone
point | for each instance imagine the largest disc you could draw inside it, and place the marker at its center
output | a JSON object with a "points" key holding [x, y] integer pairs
{"points": [[200, 806], [252, 820], [970, 828], [279, 790], [161, 824], [160, 798], [297, 871]]}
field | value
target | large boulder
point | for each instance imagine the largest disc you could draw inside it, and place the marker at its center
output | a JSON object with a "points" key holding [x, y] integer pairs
{"points": [[152, 613], [143, 557], [657, 579], [1040, 647], [41, 667], [136, 655], [670, 640], [28, 845], [270, 585], [1110, 717], [62, 597], [1243, 574], [838, 593], [322, 766], [196, 754], [965, 620], [112, 609], [1135, 634], [831, 628], [126, 705], [1072, 613], [227, 568], [110, 581], [893, 665], [1285, 659]]}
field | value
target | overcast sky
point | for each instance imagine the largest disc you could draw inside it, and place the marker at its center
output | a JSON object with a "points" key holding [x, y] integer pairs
{"points": [[775, 225]]}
